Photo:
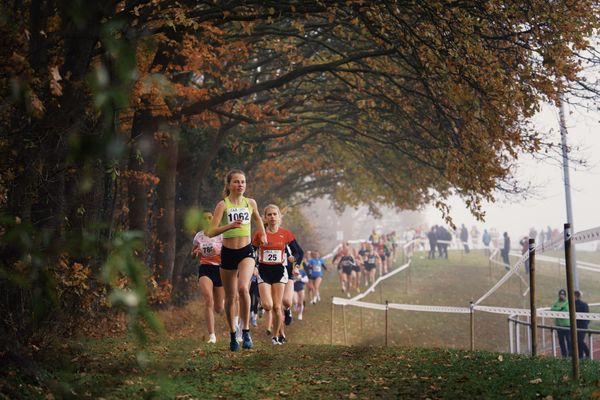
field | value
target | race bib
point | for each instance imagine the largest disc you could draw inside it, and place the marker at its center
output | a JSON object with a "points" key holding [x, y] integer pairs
{"points": [[235, 214], [272, 256], [316, 268], [207, 249], [346, 263]]}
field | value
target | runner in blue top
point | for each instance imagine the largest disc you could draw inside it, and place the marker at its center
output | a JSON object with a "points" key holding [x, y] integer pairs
{"points": [[317, 265], [299, 281]]}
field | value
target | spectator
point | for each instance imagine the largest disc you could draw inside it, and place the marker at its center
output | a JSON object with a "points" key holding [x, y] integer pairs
{"points": [[524, 242], [582, 307], [444, 238], [486, 238], [564, 334], [432, 236], [505, 250], [474, 236], [464, 238]]}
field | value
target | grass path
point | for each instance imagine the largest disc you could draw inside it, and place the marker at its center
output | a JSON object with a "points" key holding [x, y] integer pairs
{"points": [[180, 365]]}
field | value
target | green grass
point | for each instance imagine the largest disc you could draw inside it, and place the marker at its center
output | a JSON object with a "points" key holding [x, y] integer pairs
{"points": [[426, 357], [180, 368]]}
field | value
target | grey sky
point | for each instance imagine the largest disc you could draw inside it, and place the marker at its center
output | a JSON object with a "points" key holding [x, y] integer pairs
{"points": [[547, 207]]}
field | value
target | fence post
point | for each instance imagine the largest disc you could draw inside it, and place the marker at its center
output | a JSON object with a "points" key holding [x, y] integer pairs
{"points": [[344, 319], [518, 334], [361, 319], [571, 297], [332, 308], [544, 335], [472, 320], [533, 319], [511, 347], [386, 322]]}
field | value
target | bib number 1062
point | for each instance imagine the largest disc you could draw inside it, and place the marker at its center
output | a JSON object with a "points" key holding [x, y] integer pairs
{"points": [[237, 214]]}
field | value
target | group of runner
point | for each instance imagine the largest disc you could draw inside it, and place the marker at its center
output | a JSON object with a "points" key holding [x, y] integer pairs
{"points": [[239, 273], [358, 268]]}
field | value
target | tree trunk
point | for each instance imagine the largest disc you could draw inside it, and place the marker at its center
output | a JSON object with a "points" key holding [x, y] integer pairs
{"points": [[166, 231]]}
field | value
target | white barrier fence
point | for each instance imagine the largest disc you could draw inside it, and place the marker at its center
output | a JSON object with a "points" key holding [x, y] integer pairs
{"points": [[581, 237]]}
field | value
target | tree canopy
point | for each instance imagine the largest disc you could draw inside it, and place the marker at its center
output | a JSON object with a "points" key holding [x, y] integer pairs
{"points": [[125, 115]]}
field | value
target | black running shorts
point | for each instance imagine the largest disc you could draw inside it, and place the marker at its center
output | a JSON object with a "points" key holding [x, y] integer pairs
{"points": [[211, 272], [230, 258], [272, 274]]}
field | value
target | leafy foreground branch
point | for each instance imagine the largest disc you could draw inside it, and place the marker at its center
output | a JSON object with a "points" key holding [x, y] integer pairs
{"points": [[179, 369]]}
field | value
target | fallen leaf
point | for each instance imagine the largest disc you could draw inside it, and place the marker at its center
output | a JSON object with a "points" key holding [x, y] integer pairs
{"points": [[536, 381], [500, 358]]}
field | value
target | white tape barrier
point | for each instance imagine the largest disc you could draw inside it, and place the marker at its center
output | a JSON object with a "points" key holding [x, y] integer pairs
{"points": [[371, 288], [349, 302], [502, 280], [545, 313], [561, 261], [589, 235], [439, 309], [541, 313], [554, 245], [380, 279]]}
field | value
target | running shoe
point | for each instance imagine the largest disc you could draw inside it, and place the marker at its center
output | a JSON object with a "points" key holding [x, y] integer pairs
{"points": [[276, 341], [318, 298], [212, 338], [300, 317], [282, 339], [288, 316], [246, 340], [253, 319], [233, 343], [269, 332], [238, 334]]}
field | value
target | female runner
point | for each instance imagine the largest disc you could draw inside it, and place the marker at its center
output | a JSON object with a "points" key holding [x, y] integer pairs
{"points": [[317, 265], [281, 248], [346, 266], [299, 281], [232, 219], [371, 260], [208, 251]]}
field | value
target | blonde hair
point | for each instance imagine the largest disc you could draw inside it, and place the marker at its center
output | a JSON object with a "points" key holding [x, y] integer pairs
{"points": [[274, 207], [228, 180]]}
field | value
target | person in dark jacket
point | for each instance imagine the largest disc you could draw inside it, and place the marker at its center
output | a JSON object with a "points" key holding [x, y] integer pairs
{"points": [[505, 250], [464, 238], [432, 236], [443, 241], [582, 307]]}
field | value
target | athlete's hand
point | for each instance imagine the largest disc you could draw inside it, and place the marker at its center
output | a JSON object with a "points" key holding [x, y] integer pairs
{"points": [[235, 224], [295, 270], [263, 239], [291, 259]]}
